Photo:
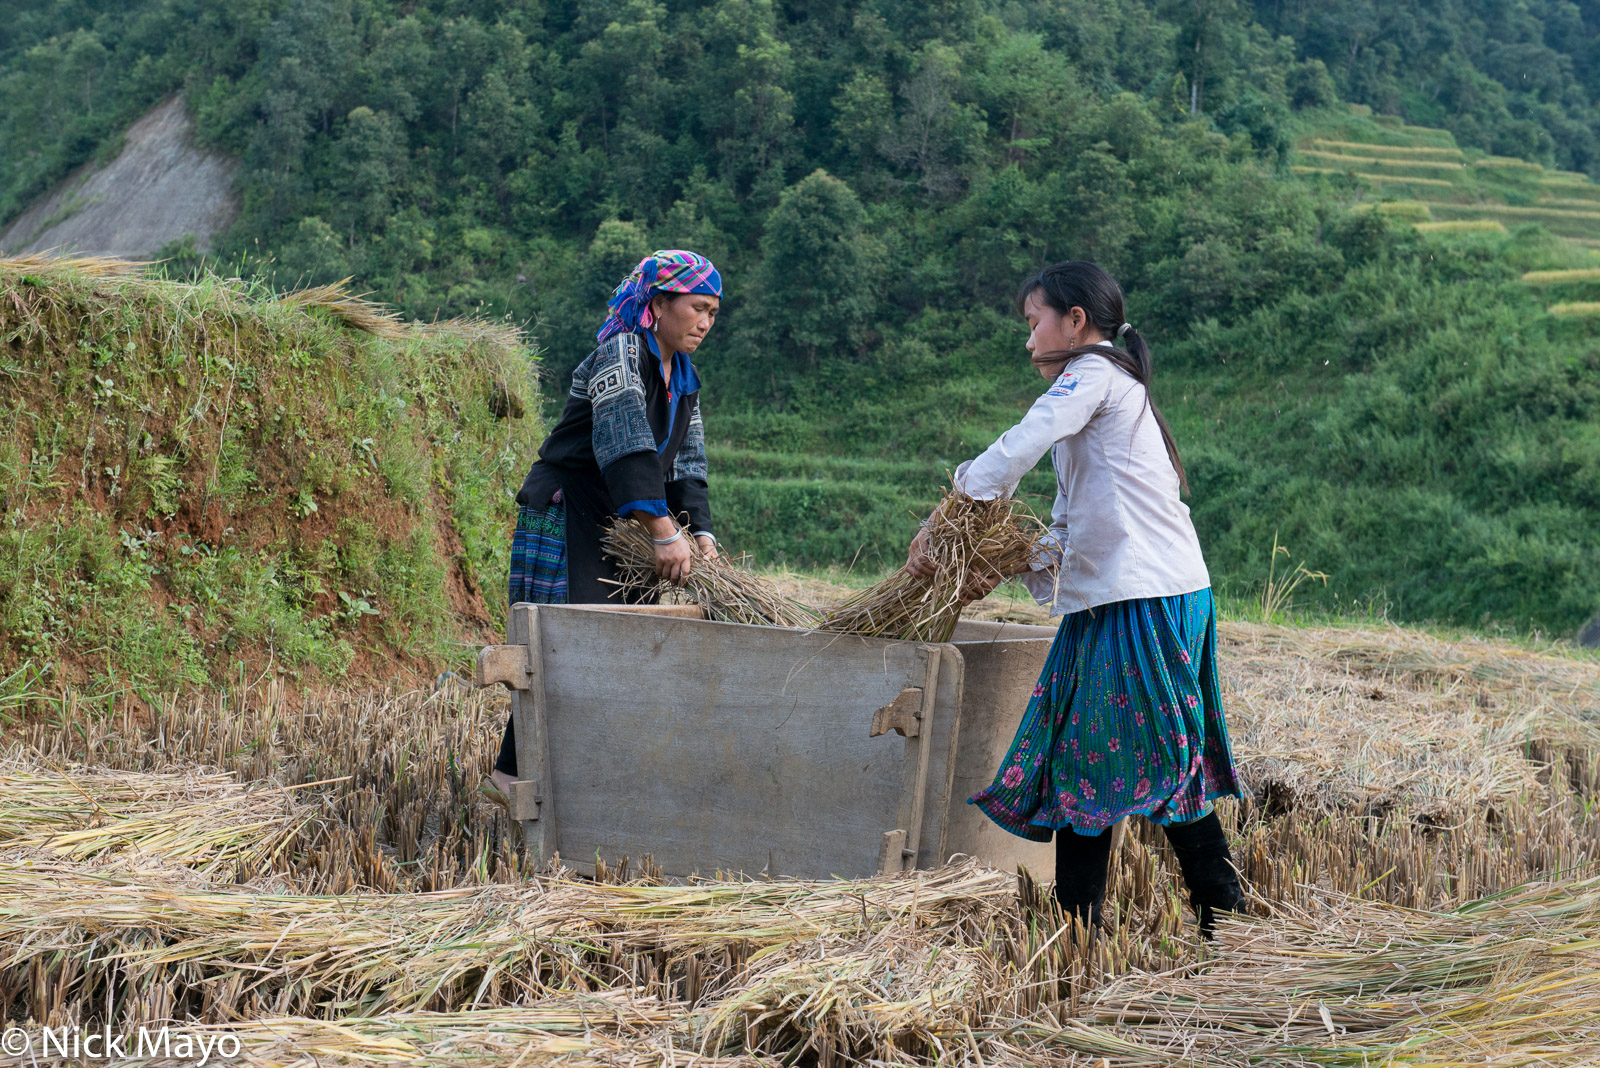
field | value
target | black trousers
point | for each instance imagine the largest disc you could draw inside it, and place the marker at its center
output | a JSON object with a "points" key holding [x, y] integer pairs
{"points": [[507, 760], [1082, 862]]}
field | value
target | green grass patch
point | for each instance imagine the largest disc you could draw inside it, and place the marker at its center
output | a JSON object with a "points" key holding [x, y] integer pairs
{"points": [[1375, 178], [1566, 223], [1579, 203], [1399, 210], [1570, 187], [810, 509], [1399, 161], [1355, 124], [1543, 214], [1507, 162], [1392, 180]]}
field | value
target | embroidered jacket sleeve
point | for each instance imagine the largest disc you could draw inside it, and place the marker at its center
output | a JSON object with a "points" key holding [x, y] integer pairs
{"points": [[624, 444], [1063, 410], [686, 488]]}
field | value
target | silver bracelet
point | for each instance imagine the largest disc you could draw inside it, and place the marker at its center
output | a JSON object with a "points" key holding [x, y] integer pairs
{"points": [[668, 541]]}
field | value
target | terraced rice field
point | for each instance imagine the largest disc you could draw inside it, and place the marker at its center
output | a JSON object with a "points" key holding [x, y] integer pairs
{"points": [[1421, 175], [1425, 166]]}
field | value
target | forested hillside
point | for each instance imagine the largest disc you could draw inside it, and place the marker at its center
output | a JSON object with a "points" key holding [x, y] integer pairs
{"points": [[1516, 79], [875, 176]]}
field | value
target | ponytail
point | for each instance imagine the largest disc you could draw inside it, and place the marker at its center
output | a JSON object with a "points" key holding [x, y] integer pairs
{"points": [[1081, 284], [1138, 364]]}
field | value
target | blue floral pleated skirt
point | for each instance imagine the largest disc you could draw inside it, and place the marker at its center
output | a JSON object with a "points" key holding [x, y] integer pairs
{"points": [[538, 576], [539, 555], [1126, 719]]}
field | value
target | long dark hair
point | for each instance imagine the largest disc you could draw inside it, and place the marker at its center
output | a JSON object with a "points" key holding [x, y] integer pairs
{"points": [[1086, 285]]}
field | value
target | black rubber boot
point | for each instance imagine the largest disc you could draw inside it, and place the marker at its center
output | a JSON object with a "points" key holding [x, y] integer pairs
{"points": [[1081, 865], [1202, 849]]}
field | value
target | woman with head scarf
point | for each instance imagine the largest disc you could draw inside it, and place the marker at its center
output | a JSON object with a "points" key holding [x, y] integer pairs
{"points": [[1127, 716], [629, 443]]}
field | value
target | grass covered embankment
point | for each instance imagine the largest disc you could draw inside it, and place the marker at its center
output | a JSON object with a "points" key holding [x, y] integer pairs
{"points": [[211, 481]]}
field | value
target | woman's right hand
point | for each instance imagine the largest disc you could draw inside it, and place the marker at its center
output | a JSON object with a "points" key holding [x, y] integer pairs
{"points": [[674, 561]]}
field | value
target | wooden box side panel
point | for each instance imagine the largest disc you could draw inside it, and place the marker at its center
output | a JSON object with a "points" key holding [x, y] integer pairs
{"points": [[944, 740], [993, 630], [713, 746], [1000, 677]]}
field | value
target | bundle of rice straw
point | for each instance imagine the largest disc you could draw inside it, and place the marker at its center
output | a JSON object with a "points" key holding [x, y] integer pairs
{"points": [[968, 539], [353, 310], [727, 592]]}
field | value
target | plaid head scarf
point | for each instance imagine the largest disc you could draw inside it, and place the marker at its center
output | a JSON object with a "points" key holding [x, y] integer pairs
{"points": [[665, 271]]}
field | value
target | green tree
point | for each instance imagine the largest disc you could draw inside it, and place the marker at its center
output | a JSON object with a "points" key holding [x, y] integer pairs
{"points": [[1212, 36], [818, 278], [1311, 86], [935, 133], [372, 150]]}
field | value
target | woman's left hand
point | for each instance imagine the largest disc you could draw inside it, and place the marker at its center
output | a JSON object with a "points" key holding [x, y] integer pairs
{"points": [[707, 544], [918, 562], [981, 583]]}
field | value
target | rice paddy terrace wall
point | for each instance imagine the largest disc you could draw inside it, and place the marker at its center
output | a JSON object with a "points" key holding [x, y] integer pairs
{"points": [[212, 481]]}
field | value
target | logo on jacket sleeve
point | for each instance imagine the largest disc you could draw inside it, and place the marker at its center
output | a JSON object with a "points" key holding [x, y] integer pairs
{"points": [[1063, 385]]}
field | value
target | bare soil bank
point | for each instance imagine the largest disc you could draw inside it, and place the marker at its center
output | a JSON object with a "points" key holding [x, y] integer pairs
{"points": [[160, 187]]}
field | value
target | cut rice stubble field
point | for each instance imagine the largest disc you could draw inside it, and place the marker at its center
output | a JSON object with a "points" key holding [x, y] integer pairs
{"points": [[1386, 767]]}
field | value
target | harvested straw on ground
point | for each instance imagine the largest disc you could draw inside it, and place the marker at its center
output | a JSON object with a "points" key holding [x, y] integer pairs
{"points": [[88, 937], [205, 821], [950, 964], [396, 808], [722, 586], [97, 267], [1333, 728], [1507, 979], [968, 539], [1346, 719], [496, 332], [616, 1027]]}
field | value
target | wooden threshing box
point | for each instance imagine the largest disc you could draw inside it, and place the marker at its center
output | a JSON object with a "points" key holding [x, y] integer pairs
{"points": [[759, 750]]}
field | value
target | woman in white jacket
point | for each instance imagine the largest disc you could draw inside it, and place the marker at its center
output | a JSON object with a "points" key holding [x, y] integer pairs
{"points": [[1127, 716]]}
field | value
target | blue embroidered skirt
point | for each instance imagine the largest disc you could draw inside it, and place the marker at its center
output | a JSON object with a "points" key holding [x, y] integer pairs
{"points": [[1126, 718], [539, 555]]}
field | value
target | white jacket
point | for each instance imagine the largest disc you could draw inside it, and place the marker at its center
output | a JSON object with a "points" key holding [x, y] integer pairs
{"points": [[1118, 529]]}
